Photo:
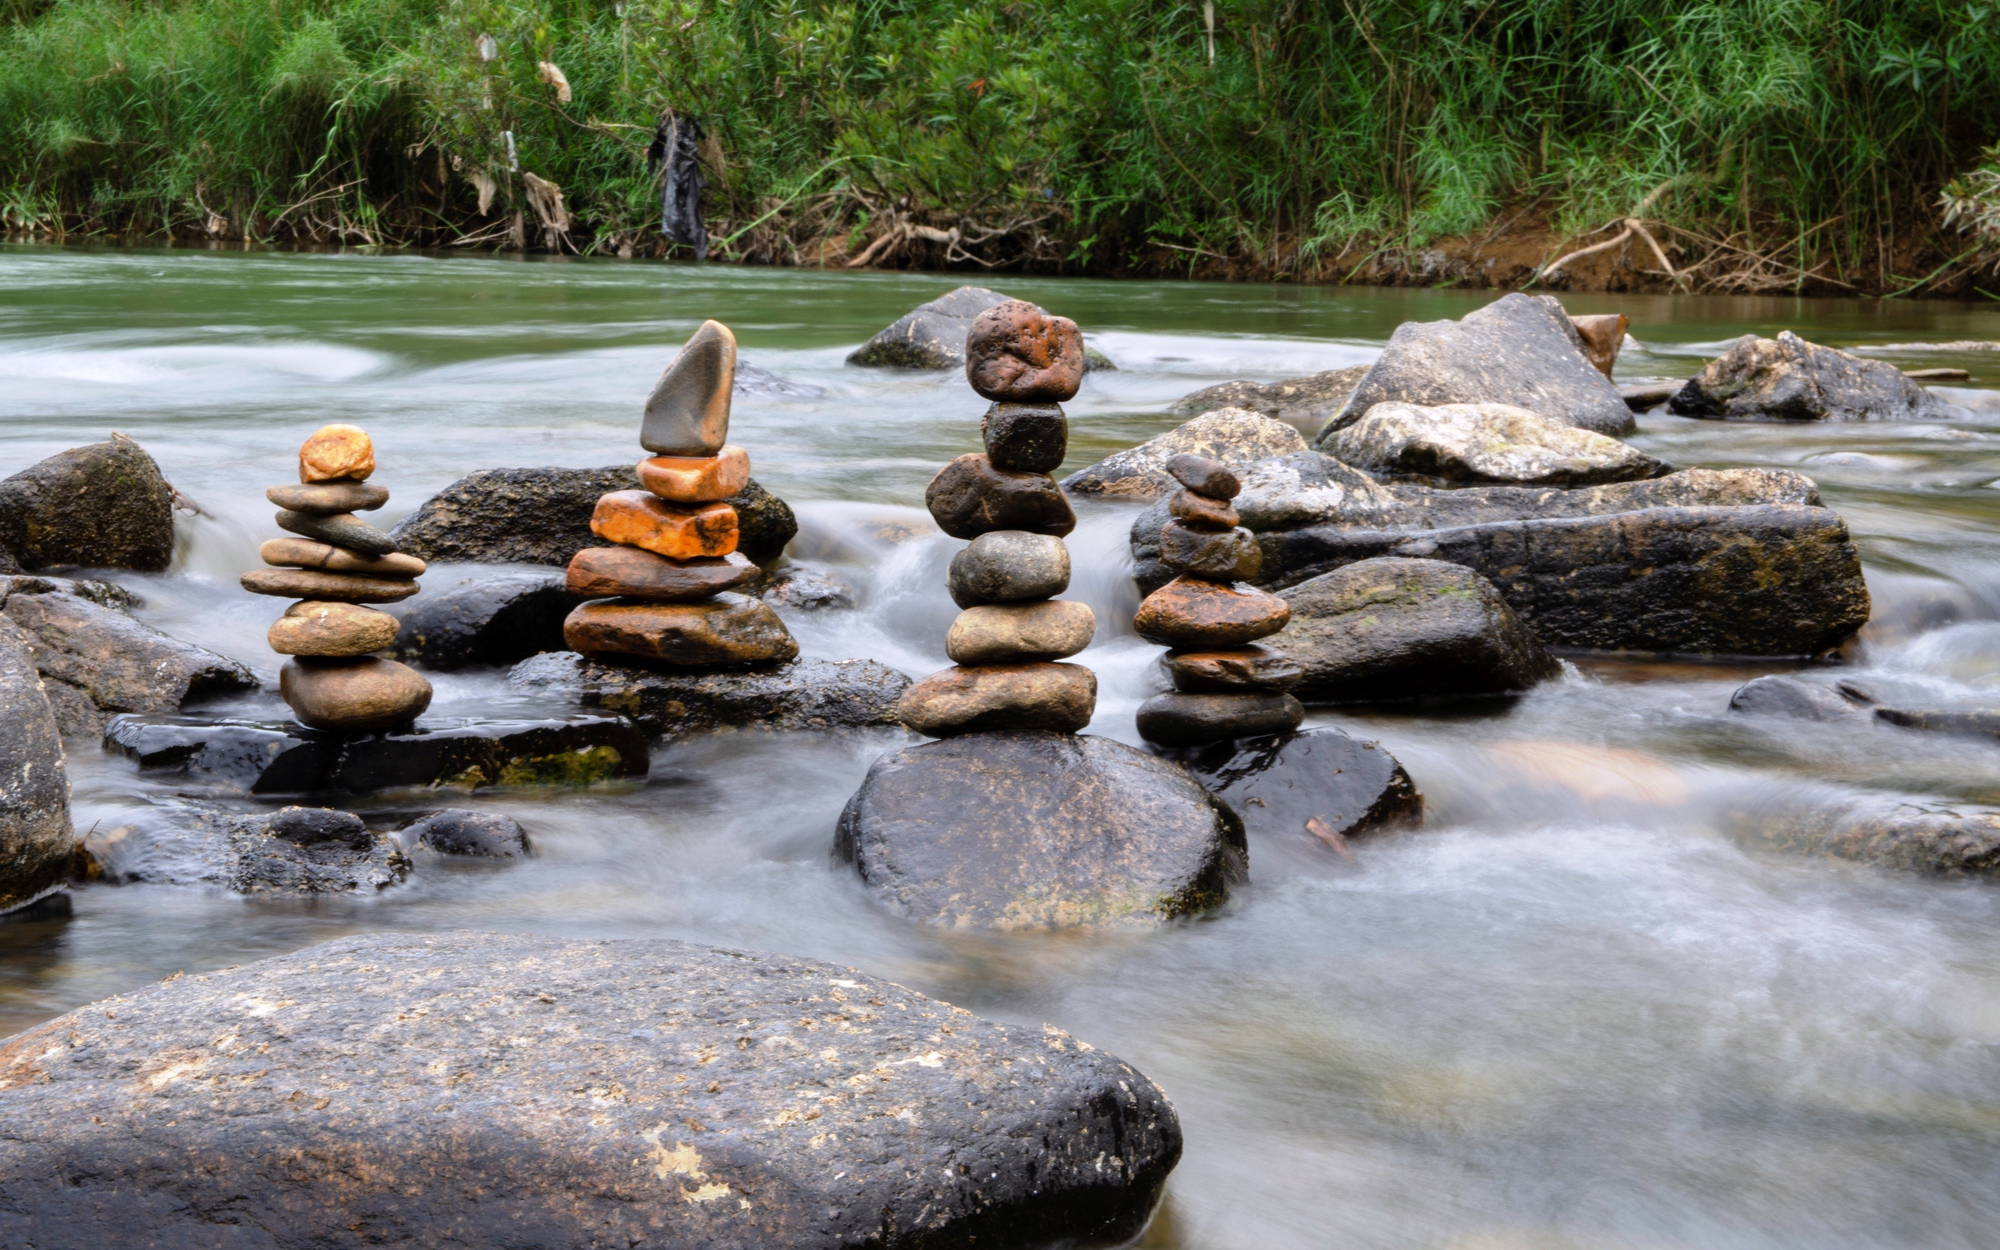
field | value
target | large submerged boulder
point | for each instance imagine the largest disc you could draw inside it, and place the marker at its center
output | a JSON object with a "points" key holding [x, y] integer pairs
{"points": [[1234, 436], [1036, 830], [1520, 350], [1316, 785], [102, 506], [800, 694], [1485, 444], [484, 1089], [1395, 629], [1304, 403], [1789, 379], [542, 516], [97, 661], [35, 833], [932, 335]]}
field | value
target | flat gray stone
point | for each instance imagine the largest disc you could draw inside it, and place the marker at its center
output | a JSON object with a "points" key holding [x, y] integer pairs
{"points": [[504, 1090], [1485, 444], [1305, 403], [800, 694]]}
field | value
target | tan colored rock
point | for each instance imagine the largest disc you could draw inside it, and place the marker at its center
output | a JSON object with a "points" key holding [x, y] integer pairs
{"points": [[1602, 334], [637, 518], [337, 453], [612, 572], [303, 553], [1057, 697], [339, 587], [696, 479], [325, 628], [353, 695], [731, 629], [688, 412], [1012, 633], [1190, 613], [329, 498]]}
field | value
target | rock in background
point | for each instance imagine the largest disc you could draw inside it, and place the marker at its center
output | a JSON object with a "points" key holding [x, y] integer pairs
{"points": [[1234, 436], [802, 694], [932, 335], [102, 506], [35, 833], [652, 1092], [1789, 379], [294, 850], [1485, 444], [1305, 403]]}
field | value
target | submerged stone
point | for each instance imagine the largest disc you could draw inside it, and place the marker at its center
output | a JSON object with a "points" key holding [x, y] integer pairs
{"points": [[458, 831], [800, 694], [1281, 785]]}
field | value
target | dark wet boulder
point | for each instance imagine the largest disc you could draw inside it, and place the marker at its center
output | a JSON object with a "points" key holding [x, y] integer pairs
{"points": [[1396, 629], [1304, 403], [1318, 785], [1789, 379], [1037, 830], [1485, 444], [271, 757], [542, 516], [102, 506], [1520, 350], [492, 620], [1793, 699], [1232, 436], [652, 1093], [35, 833], [1960, 722], [801, 694], [98, 661], [932, 335], [460, 831], [295, 850]]}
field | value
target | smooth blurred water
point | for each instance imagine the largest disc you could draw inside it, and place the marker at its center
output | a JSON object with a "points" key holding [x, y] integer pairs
{"points": [[1571, 1012]]}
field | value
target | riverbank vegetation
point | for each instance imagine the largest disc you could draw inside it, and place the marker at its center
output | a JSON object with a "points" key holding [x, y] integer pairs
{"points": [[1731, 145]]}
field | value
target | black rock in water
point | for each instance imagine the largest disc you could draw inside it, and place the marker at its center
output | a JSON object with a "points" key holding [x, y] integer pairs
{"points": [[309, 825], [652, 1093], [457, 831], [255, 757], [1180, 720], [801, 694], [1789, 379], [495, 620], [1038, 831], [295, 851], [1280, 784], [35, 834], [1789, 697], [542, 516], [103, 506]]}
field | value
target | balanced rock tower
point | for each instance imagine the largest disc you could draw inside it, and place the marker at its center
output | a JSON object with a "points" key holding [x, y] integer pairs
{"points": [[1006, 642], [1225, 686], [337, 564], [661, 593]]}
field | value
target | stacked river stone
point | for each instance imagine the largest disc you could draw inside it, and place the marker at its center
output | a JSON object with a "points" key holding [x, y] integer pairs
{"points": [[1006, 641], [1225, 686], [338, 562], [662, 593]]}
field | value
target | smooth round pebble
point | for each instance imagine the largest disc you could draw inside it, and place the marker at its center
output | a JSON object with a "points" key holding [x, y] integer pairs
{"points": [[1009, 566]]}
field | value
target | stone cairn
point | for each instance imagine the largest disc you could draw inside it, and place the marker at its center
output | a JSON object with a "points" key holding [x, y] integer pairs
{"points": [[337, 563], [1225, 686], [662, 593], [1013, 629]]}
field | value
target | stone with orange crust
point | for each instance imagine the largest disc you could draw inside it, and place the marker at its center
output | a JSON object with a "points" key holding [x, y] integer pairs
{"points": [[337, 453], [637, 518], [696, 479]]}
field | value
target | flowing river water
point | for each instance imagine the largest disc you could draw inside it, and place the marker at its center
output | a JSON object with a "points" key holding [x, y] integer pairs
{"points": [[1571, 1012]]}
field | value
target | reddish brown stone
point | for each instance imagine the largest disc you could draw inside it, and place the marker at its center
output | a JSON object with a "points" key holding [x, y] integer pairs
{"points": [[608, 572], [1016, 353], [730, 629], [1190, 613], [970, 497], [1204, 476], [1202, 513], [696, 479], [637, 518], [1232, 671], [354, 695]]}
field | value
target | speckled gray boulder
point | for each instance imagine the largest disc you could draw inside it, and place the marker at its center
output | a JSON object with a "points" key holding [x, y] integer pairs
{"points": [[932, 335], [1305, 403], [34, 789], [104, 506], [1485, 445], [490, 1090], [1789, 379], [1234, 436]]}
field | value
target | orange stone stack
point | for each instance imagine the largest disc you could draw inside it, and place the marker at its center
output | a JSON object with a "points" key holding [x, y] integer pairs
{"points": [[662, 593]]}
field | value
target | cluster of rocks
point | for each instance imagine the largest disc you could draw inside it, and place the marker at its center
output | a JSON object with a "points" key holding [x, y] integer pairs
{"points": [[662, 593], [1225, 685], [336, 565]]}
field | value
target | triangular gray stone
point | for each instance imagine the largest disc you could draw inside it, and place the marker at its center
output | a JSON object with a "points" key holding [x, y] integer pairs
{"points": [[688, 411]]}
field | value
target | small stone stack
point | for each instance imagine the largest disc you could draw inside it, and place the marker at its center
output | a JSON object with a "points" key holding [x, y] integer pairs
{"points": [[1006, 641], [662, 593], [1225, 686], [338, 562]]}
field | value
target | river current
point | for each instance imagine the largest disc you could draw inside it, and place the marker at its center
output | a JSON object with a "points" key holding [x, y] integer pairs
{"points": [[1571, 1012]]}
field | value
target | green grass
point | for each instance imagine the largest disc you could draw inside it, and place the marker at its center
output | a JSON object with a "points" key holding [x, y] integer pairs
{"points": [[1088, 135]]}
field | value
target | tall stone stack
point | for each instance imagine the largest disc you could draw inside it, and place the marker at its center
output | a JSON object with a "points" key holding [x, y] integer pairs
{"points": [[1006, 642], [1225, 685], [661, 593], [338, 563]]}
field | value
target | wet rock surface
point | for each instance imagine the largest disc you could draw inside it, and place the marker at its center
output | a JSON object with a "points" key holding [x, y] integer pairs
{"points": [[35, 832], [1789, 379], [1937, 838], [1280, 784], [727, 629], [496, 620], [1519, 350], [265, 757], [1304, 403], [1036, 831], [1483, 444], [1008, 566], [804, 694], [1233, 436], [1395, 629], [355, 1083], [932, 335], [1180, 719], [542, 516], [293, 851], [994, 697], [460, 831], [99, 661], [1018, 354], [801, 588], [1793, 699], [105, 505], [970, 497]]}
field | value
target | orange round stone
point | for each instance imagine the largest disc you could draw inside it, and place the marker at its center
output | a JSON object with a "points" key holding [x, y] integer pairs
{"points": [[337, 453]]}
